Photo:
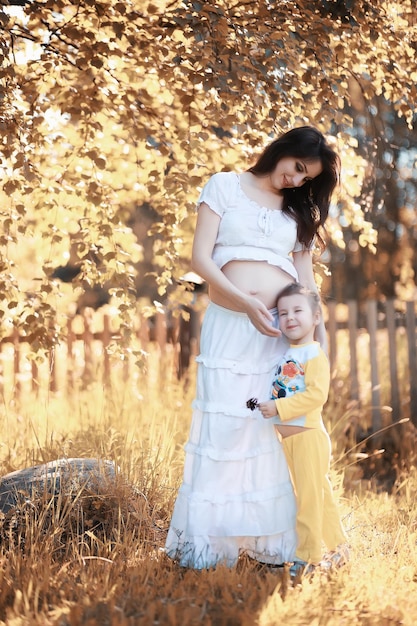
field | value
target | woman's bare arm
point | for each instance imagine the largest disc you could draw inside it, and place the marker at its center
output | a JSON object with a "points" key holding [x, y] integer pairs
{"points": [[202, 263]]}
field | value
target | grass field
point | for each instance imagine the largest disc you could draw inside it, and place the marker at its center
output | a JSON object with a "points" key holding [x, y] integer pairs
{"points": [[96, 560]]}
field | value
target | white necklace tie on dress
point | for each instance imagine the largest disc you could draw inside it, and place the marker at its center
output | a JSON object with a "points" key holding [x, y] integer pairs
{"points": [[264, 221]]}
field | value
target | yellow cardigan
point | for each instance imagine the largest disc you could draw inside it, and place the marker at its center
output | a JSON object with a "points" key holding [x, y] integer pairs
{"points": [[301, 386]]}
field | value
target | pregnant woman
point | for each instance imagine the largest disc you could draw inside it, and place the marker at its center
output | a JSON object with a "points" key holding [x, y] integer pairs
{"points": [[255, 234]]}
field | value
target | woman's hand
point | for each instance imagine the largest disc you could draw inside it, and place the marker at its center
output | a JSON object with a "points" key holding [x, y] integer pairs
{"points": [[260, 317], [268, 409]]}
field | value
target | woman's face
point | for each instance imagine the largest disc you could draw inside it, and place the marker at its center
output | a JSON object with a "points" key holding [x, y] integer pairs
{"points": [[293, 172]]}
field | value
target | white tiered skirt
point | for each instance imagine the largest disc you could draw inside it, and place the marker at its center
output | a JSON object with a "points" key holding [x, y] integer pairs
{"points": [[236, 496]]}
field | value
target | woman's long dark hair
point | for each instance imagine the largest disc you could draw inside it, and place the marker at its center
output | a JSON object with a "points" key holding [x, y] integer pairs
{"points": [[308, 204]]}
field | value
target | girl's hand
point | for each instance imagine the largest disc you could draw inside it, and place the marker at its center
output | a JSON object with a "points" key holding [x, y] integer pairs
{"points": [[268, 409]]}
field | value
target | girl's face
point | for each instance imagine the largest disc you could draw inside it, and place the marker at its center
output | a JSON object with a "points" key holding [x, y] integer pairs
{"points": [[297, 320], [293, 172]]}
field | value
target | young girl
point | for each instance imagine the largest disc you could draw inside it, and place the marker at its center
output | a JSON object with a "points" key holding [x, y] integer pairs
{"points": [[253, 237], [299, 391]]}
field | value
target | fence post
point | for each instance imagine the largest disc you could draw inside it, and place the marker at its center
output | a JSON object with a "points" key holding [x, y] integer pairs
{"points": [[35, 376], [375, 387], [195, 322], [106, 343], [352, 327], [88, 352], [184, 338], [52, 369], [16, 361], [143, 332], [412, 358], [161, 330], [392, 346], [70, 354], [332, 332]]}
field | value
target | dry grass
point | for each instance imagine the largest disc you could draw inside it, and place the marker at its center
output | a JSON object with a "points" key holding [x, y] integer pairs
{"points": [[96, 560]]}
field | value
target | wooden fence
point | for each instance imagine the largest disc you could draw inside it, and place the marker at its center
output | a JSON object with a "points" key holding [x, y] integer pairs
{"points": [[381, 353], [373, 348]]}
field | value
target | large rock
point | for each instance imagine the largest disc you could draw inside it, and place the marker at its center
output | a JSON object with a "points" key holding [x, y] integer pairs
{"points": [[68, 476]]}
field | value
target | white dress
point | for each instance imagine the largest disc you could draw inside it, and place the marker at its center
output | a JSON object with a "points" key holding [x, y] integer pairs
{"points": [[236, 496]]}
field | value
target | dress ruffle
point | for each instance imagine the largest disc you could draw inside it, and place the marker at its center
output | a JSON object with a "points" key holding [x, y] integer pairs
{"points": [[236, 494]]}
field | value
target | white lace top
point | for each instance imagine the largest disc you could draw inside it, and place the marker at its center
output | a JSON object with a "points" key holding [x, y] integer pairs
{"points": [[247, 230]]}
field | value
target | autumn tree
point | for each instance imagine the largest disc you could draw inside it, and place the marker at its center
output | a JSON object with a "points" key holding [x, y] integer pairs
{"points": [[389, 194], [111, 105]]}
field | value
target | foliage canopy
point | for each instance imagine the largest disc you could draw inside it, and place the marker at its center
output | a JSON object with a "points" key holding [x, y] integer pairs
{"points": [[109, 105]]}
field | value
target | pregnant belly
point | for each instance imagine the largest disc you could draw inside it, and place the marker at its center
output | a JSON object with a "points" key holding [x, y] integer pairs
{"points": [[255, 278]]}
